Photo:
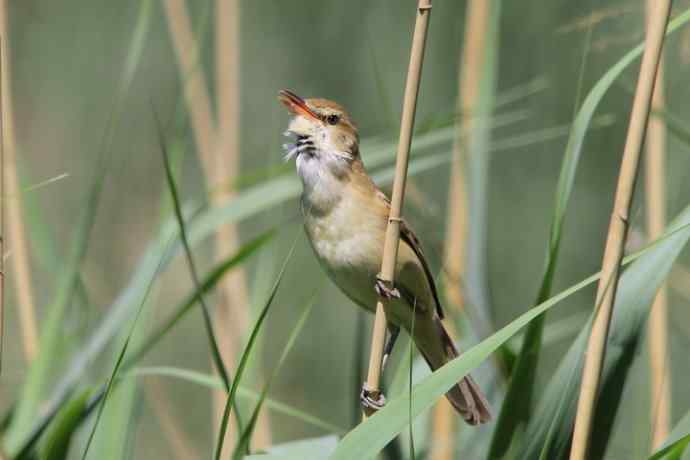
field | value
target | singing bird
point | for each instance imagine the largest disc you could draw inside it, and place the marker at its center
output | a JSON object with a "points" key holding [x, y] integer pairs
{"points": [[345, 218]]}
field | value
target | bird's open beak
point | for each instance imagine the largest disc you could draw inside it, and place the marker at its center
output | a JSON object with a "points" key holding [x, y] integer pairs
{"points": [[296, 104]]}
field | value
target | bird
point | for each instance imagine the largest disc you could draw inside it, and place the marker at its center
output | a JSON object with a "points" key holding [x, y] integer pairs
{"points": [[345, 217]]}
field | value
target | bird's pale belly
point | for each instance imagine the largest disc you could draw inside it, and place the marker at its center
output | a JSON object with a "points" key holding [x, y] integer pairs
{"points": [[349, 251]]}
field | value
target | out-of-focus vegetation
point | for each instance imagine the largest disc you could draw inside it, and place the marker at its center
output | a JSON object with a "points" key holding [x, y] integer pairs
{"points": [[90, 79]]}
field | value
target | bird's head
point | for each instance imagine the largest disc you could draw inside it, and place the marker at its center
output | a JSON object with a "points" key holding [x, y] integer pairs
{"points": [[323, 131]]}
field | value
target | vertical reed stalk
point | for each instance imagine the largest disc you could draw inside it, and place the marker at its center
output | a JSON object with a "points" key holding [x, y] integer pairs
{"points": [[655, 188], [219, 154], [231, 312], [392, 239], [16, 232], [470, 72], [2, 210], [618, 228], [180, 444]]}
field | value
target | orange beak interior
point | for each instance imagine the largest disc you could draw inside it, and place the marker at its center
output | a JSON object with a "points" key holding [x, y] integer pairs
{"points": [[296, 104]]}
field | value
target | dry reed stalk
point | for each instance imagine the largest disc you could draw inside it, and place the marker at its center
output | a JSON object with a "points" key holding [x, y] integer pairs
{"points": [[231, 312], [392, 239], [21, 267], [218, 146], [180, 444], [469, 69], [2, 214], [655, 189], [618, 228]]}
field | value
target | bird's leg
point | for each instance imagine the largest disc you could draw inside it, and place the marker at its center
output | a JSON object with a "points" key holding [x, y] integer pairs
{"points": [[390, 343], [386, 289], [373, 400]]}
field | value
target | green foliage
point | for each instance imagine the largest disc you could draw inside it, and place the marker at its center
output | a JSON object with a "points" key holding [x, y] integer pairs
{"points": [[59, 435], [516, 410], [653, 263]]}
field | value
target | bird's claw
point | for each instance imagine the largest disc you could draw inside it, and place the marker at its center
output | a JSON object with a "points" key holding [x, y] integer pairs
{"points": [[386, 289], [371, 400]]}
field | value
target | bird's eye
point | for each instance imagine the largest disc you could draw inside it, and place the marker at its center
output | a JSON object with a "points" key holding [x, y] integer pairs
{"points": [[333, 119]]}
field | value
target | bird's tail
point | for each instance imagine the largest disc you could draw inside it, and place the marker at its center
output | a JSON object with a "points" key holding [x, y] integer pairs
{"points": [[465, 397]]}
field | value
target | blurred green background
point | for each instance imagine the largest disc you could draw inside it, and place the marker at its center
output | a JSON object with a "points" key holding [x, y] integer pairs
{"points": [[67, 59]]}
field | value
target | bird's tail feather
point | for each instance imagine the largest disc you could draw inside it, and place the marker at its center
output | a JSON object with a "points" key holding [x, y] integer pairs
{"points": [[465, 397]]}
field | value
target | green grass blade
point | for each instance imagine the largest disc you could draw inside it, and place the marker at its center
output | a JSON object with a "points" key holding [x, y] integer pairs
{"points": [[51, 334], [211, 381], [371, 436], [243, 443], [182, 227], [555, 412], [180, 311], [61, 430], [516, 410], [116, 368], [247, 352]]}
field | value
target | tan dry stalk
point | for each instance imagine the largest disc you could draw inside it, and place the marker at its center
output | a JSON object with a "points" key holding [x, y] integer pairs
{"points": [[392, 239], [618, 228], [179, 442], [2, 215], [469, 70], [219, 155], [21, 267], [232, 309], [655, 190]]}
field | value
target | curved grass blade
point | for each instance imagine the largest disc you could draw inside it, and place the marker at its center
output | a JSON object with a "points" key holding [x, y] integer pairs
{"points": [[61, 430], [118, 364], [243, 443], [211, 381], [38, 374], [516, 410], [549, 431], [677, 441], [179, 312], [246, 353], [208, 323], [370, 437]]}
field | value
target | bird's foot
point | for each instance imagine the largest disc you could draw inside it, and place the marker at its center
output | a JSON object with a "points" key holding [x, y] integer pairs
{"points": [[386, 289], [371, 400]]}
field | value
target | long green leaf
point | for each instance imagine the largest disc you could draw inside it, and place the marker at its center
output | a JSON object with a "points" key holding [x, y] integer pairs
{"points": [[230, 403], [516, 410], [37, 380], [61, 430], [371, 436], [178, 313], [211, 381], [245, 437], [555, 412]]}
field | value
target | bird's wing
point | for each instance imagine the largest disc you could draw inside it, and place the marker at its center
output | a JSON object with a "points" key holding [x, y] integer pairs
{"points": [[409, 238]]}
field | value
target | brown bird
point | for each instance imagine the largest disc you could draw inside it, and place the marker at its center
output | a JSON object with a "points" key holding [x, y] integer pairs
{"points": [[345, 217]]}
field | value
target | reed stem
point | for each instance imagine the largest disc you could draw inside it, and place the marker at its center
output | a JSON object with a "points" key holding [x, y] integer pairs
{"points": [[21, 267], [618, 228], [470, 68], [655, 189], [392, 238]]}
